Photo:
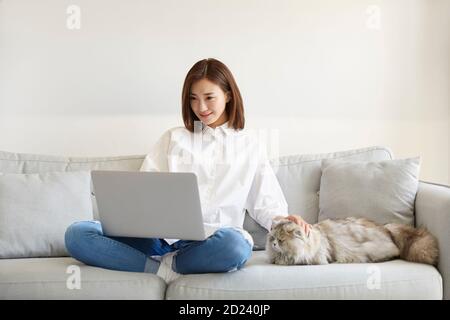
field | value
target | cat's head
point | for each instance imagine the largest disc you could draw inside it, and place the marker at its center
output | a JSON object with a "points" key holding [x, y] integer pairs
{"points": [[286, 238]]}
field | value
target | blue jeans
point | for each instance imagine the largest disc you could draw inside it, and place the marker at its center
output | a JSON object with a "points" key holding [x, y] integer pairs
{"points": [[223, 251]]}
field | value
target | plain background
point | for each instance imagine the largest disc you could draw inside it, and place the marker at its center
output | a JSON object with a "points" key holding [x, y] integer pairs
{"points": [[324, 75]]}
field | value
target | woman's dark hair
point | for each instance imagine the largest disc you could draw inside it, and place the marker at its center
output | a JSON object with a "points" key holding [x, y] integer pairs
{"points": [[218, 73]]}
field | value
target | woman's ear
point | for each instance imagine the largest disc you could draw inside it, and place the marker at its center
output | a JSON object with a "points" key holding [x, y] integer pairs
{"points": [[227, 96]]}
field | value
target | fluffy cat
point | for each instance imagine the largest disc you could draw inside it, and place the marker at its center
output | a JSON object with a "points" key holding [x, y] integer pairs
{"points": [[350, 240]]}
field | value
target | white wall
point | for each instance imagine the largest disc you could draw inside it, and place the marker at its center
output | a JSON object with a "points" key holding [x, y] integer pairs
{"points": [[329, 75]]}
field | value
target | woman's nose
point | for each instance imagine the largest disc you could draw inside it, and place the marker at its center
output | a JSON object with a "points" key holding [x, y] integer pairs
{"points": [[202, 106]]}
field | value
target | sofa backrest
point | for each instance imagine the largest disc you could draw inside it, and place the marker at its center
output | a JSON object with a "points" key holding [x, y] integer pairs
{"points": [[299, 175], [35, 163]]}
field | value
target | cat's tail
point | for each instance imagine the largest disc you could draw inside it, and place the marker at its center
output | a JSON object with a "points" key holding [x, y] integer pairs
{"points": [[415, 244]]}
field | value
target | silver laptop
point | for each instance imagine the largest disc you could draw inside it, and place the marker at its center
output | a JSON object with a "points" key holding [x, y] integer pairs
{"points": [[149, 204]]}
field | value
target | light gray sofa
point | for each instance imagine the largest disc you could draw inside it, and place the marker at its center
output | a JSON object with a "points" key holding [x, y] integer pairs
{"points": [[299, 176]]}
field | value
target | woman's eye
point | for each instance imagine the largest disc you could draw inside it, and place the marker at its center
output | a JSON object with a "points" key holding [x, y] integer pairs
{"points": [[192, 98], [210, 98]]}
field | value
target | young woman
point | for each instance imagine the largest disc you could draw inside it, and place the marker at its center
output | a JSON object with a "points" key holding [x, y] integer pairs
{"points": [[233, 174]]}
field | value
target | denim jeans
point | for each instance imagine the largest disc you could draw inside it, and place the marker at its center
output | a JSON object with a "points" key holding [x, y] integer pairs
{"points": [[223, 251]]}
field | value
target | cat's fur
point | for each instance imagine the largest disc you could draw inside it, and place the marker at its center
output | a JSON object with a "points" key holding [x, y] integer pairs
{"points": [[350, 240]]}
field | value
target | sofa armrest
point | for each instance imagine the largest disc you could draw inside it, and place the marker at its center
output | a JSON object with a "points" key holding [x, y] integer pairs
{"points": [[432, 210]]}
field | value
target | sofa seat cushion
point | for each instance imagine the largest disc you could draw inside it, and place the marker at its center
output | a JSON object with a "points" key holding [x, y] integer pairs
{"points": [[258, 279], [46, 278]]}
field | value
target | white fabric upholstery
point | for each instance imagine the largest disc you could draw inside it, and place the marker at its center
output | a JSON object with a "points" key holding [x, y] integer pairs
{"points": [[38, 163], [46, 278], [37, 208], [260, 280], [382, 191], [433, 212], [299, 177]]}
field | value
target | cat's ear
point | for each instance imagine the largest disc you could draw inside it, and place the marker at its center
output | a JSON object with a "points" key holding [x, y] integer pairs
{"points": [[275, 222], [298, 234]]}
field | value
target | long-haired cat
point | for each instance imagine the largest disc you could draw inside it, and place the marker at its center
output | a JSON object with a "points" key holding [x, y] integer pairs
{"points": [[350, 240]]}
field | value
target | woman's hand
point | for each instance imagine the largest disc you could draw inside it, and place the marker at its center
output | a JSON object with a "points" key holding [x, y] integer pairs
{"points": [[298, 220]]}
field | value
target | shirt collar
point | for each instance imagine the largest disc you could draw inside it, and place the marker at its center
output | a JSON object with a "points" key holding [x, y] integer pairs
{"points": [[225, 128]]}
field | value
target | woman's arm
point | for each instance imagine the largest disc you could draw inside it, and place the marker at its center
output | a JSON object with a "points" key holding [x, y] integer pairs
{"points": [[266, 199], [156, 159]]}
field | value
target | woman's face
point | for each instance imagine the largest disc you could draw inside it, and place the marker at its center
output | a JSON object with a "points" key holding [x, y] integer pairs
{"points": [[208, 102]]}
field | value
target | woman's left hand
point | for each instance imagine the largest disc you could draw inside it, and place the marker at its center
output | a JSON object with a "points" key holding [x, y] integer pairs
{"points": [[298, 220]]}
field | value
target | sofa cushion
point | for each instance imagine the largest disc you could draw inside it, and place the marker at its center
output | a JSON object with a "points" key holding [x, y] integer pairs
{"points": [[299, 177], [57, 278], [37, 208], [258, 279], [36, 163], [382, 191]]}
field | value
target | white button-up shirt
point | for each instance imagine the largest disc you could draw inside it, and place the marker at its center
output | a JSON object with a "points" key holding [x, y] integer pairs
{"points": [[233, 174]]}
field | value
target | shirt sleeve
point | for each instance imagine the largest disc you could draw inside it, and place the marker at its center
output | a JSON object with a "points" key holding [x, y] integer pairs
{"points": [[266, 199], [157, 159]]}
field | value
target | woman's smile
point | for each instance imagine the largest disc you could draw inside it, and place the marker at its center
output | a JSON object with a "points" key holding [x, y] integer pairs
{"points": [[206, 115]]}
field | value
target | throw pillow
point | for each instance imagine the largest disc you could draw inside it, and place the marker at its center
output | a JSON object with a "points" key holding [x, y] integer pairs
{"points": [[36, 209], [383, 191]]}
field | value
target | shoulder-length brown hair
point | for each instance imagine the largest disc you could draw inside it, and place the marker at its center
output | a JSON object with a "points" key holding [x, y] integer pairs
{"points": [[218, 73]]}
